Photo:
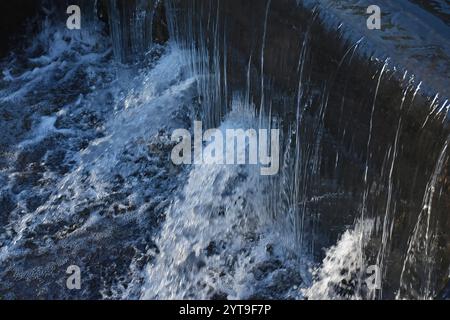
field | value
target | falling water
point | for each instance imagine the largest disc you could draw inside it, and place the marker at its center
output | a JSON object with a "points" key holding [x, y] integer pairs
{"points": [[89, 166]]}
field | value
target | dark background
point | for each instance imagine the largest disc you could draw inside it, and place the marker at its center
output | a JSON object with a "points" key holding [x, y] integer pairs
{"points": [[16, 21]]}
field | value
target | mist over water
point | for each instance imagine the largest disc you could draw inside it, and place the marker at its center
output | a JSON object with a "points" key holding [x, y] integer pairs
{"points": [[87, 180]]}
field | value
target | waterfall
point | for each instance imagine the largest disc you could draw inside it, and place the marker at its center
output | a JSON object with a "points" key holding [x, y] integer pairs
{"points": [[423, 244], [87, 178], [132, 27], [219, 240], [309, 181]]}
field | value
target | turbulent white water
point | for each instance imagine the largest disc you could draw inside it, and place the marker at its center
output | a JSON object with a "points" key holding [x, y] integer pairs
{"points": [[219, 240], [342, 272], [91, 172], [98, 161]]}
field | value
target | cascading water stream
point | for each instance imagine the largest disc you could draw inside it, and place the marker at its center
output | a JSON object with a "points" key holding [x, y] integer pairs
{"points": [[89, 180]]}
